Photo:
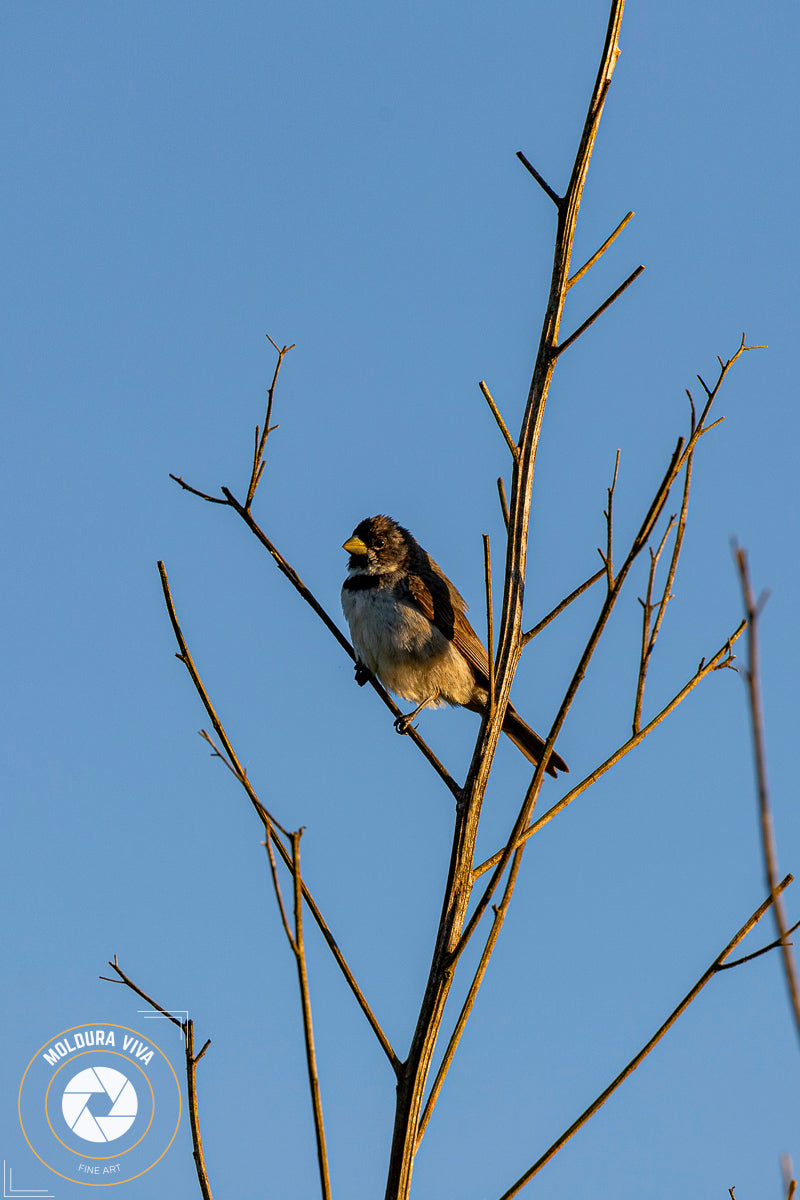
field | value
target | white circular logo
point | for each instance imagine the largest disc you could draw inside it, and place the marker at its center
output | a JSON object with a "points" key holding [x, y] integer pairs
{"points": [[92, 1127]]}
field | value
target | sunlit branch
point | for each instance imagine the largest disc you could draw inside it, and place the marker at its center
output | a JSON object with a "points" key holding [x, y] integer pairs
{"points": [[655, 1039], [752, 677], [723, 658], [498, 416], [543, 184], [598, 312], [587, 266], [269, 822], [191, 1060], [559, 608], [297, 944]]}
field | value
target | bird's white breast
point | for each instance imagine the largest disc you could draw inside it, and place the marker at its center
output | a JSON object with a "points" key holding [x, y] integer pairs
{"points": [[404, 649]]}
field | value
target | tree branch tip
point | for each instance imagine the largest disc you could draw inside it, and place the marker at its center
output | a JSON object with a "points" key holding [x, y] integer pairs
{"points": [[543, 184], [198, 1056]]}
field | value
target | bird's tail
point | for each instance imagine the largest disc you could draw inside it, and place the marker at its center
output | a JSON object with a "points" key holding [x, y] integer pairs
{"points": [[529, 742]]}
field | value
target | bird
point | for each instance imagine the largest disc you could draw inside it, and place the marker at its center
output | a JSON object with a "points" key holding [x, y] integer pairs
{"points": [[409, 628]]}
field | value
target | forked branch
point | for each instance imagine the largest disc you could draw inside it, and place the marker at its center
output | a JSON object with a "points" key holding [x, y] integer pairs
{"points": [[705, 978], [270, 823], [587, 266], [191, 1060], [298, 948], [721, 660], [260, 441], [752, 677]]}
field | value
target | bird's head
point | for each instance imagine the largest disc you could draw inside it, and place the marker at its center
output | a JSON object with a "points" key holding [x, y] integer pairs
{"points": [[378, 546]]}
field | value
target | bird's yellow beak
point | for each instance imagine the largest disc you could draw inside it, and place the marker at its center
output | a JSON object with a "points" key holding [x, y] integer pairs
{"points": [[354, 545]]}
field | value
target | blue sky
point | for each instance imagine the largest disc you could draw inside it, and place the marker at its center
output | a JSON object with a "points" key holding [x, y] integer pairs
{"points": [[184, 178]]}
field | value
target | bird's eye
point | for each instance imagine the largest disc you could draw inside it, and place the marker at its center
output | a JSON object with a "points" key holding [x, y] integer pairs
{"points": [[379, 543]]}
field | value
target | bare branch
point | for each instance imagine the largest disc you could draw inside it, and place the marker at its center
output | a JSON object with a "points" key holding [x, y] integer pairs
{"points": [[554, 196], [723, 658], [186, 658], [128, 982], [649, 637], [191, 1061], [501, 491], [587, 266], [194, 1117], [261, 441], [472, 995], [677, 462], [298, 946], [276, 884], [737, 962], [654, 1040], [270, 824], [598, 312], [753, 679], [187, 487], [498, 416], [559, 608], [608, 557], [487, 569]]}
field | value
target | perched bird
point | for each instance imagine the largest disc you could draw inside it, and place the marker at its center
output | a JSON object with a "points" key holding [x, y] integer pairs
{"points": [[409, 628]]}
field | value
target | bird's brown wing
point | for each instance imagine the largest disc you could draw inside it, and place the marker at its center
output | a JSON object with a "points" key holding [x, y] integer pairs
{"points": [[433, 595]]}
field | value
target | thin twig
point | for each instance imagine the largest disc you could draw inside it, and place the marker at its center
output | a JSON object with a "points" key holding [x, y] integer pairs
{"points": [[270, 824], [638, 544], [194, 1117], [276, 884], [498, 416], [472, 995], [487, 569], [559, 608], [298, 946], [648, 606], [650, 636], [128, 982], [654, 1040], [752, 676], [186, 658], [261, 441], [737, 962], [599, 253], [543, 184], [191, 1061], [722, 659], [608, 513], [501, 491], [598, 312], [187, 487]]}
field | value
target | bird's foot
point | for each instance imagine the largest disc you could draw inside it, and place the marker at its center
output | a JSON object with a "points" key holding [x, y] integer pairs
{"points": [[403, 722], [362, 674]]}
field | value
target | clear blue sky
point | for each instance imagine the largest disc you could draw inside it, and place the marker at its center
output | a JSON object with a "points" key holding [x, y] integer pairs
{"points": [[186, 177]]}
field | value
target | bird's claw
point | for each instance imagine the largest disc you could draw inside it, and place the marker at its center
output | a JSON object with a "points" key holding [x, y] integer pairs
{"points": [[403, 724], [362, 674]]}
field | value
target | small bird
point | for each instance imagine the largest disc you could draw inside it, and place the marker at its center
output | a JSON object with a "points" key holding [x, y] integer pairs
{"points": [[409, 628]]}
